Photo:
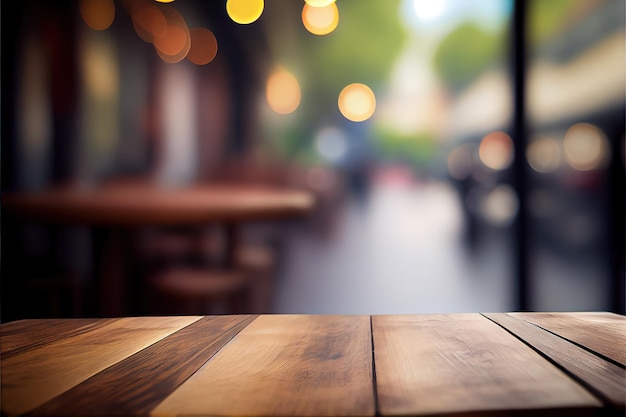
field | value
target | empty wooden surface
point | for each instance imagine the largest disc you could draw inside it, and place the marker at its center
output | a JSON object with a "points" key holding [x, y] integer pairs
{"points": [[24, 335], [37, 376], [285, 366], [138, 383], [466, 364], [609, 339], [307, 365], [605, 378]]}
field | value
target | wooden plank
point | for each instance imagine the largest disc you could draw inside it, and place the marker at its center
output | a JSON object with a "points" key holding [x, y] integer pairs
{"points": [[466, 364], [607, 337], [21, 336], [603, 377], [602, 317], [35, 377], [138, 383], [285, 365]]}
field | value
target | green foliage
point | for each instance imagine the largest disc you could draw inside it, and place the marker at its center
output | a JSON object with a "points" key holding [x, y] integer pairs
{"points": [[547, 18], [465, 53], [362, 48], [417, 149]]}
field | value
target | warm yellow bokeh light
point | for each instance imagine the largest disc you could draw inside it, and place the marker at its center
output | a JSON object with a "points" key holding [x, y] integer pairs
{"points": [[320, 20], [319, 3], [164, 1], [97, 14], [585, 147], [203, 46], [244, 11], [357, 102], [544, 155], [496, 151], [283, 92]]}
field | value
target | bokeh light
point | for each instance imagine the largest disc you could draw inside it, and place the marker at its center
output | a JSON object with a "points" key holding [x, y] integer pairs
{"points": [[428, 10], [149, 22], [244, 11], [164, 1], [331, 143], [461, 161], [97, 14], [500, 206], [319, 3], [321, 179], [357, 102], [544, 155], [496, 151], [203, 46], [174, 43], [283, 92], [585, 147], [320, 20], [100, 70]]}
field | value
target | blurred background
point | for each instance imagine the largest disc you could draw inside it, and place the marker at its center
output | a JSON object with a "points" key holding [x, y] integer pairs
{"points": [[463, 156]]}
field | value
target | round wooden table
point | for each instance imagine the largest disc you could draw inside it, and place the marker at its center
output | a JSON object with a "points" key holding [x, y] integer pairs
{"points": [[107, 210], [138, 204]]}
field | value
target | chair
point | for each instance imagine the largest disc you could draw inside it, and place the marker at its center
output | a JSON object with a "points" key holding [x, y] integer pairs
{"points": [[192, 290], [259, 262]]}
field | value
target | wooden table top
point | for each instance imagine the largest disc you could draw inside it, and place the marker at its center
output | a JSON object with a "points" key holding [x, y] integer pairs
{"points": [[135, 203], [316, 365]]}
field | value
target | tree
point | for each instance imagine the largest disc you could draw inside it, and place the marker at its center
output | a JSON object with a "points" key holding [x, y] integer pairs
{"points": [[465, 53]]}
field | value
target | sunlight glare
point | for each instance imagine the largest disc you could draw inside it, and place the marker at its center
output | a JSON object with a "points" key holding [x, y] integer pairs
{"points": [[429, 10], [319, 3]]}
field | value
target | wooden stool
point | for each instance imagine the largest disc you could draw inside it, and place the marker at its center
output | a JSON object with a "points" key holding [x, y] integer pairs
{"points": [[201, 291], [260, 264]]}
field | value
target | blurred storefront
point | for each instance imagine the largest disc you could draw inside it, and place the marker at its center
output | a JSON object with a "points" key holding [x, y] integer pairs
{"points": [[379, 108]]}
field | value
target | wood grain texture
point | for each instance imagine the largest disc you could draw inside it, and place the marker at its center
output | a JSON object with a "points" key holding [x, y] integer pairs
{"points": [[602, 376], [24, 335], [466, 365], [284, 365], [137, 384], [607, 339], [35, 377]]}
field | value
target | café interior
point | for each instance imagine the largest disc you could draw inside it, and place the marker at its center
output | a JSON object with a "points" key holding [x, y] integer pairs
{"points": [[319, 156]]}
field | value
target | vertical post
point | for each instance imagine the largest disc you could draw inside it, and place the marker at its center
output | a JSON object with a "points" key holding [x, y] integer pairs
{"points": [[617, 225], [522, 286], [11, 21]]}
